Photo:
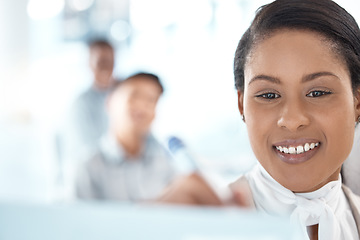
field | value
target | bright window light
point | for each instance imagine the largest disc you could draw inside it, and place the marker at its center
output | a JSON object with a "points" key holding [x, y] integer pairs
{"points": [[43, 9], [155, 14], [120, 30], [81, 5]]}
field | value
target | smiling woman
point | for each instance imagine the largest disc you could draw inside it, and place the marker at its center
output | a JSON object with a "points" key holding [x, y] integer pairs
{"points": [[296, 82], [297, 77]]}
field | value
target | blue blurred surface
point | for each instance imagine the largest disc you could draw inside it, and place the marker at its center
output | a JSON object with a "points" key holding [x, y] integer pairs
{"points": [[130, 221]]}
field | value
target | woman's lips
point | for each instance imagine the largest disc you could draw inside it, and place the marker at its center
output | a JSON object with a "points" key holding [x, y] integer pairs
{"points": [[294, 154]]}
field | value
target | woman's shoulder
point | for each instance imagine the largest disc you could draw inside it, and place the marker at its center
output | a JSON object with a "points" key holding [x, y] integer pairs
{"points": [[240, 182], [354, 202], [242, 191], [353, 198]]}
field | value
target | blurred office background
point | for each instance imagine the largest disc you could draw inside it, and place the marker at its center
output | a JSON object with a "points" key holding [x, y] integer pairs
{"points": [[44, 66]]}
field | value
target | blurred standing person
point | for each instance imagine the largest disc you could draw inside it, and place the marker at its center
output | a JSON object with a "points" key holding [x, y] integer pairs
{"points": [[88, 115], [130, 164], [87, 120]]}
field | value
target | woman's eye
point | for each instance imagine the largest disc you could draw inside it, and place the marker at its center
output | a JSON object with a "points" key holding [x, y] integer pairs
{"points": [[268, 95], [317, 93]]}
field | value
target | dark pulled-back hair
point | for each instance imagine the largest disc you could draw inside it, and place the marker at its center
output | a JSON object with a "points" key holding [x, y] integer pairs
{"points": [[321, 16]]}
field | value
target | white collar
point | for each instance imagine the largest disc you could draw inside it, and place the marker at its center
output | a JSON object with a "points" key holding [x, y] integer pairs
{"points": [[306, 209]]}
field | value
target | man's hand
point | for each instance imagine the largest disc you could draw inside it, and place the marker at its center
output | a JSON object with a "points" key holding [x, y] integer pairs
{"points": [[194, 190]]}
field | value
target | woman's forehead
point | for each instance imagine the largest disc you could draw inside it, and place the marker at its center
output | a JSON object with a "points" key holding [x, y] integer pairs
{"points": [[294, 54], [284, 42]]}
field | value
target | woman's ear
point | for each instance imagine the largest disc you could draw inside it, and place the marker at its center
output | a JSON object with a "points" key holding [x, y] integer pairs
{"points": [[357, 104], [241, 102]]}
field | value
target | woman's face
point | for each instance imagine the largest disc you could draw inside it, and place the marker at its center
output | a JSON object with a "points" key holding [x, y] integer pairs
{"points": [[299, 109]]}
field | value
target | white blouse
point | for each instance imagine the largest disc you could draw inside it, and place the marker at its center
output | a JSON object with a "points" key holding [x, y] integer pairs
{"points": [[326, 206]]}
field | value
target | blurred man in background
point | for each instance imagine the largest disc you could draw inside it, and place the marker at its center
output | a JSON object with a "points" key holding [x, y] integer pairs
{"points": [[130, 164], [87, 119]]}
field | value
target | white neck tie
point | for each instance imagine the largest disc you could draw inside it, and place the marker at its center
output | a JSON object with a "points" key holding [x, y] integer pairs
{"points": [[305, 209]]}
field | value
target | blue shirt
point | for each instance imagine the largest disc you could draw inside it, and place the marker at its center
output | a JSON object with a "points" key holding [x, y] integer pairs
{"points": [[110, 174]]}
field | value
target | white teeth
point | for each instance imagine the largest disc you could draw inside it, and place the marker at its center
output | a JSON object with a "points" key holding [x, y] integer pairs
{"points": [[299, 149], [292, 150], [286, 150], [306, 147]]}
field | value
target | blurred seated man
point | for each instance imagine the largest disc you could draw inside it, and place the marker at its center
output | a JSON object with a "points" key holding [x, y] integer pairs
{"points": [[129, 165]]}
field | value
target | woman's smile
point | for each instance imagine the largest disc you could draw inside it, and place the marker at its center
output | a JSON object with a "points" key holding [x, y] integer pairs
{"points": [[296, 151]]}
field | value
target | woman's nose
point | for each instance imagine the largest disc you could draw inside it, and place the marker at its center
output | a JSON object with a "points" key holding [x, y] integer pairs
{"points": [[293, 116]]}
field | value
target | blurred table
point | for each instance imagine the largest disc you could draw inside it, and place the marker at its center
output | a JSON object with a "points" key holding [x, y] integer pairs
{"points": [[90, 221]]}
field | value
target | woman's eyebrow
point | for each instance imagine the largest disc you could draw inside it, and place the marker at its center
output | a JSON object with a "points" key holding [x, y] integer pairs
{"points": [[313, 76], [306, 78], [266, 78]]}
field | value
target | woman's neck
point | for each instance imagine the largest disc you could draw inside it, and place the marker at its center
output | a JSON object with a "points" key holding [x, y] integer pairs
{"points": [[313, 232]]}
